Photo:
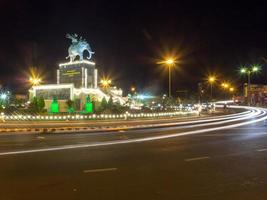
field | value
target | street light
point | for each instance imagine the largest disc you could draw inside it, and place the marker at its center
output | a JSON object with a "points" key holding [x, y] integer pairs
{"points": [[255, 69], [35, 81], [249, 71], [211, 80], [133, 89], [170, 62], [105, 82], [225, 85], [35, 77], [232, 90]]}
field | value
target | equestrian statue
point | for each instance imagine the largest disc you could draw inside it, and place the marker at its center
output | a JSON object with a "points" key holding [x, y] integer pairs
{"points": [[78, 46]]}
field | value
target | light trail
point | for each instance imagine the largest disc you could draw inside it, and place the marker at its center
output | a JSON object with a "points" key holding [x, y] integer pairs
{"points": [[198, 122], [260, 117]]}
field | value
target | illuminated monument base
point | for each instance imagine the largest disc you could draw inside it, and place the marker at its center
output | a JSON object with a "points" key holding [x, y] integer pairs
{"points": [[76, 81], [82, 74]]}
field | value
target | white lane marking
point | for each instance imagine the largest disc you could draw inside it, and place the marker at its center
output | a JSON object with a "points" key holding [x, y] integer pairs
{"points": [[99, 170], [76, 146], [197, 158], [40, 137], [260, 150]]}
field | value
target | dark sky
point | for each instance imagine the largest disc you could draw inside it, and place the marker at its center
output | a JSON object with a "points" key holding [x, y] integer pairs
{"points": [[129, 36]]}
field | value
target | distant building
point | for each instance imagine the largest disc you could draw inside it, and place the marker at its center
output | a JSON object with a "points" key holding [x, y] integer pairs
{"points": [[258, 94], [21, 96]]}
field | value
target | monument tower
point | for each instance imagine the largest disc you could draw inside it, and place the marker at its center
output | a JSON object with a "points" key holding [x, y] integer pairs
{"points": [[76, 79], [81, 73]]}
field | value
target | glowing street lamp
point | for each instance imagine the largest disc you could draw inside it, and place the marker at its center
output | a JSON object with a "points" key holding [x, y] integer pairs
{"points": [[231, 89], [105, 83], [133, 89], [225, 85], [249, 71], [243, 70], [35, 81], [211, 80], [35, 77], [255, 68], [169, 63]]}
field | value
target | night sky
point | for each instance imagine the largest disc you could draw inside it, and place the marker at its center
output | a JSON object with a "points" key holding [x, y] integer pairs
{"points": [[129, 37]]}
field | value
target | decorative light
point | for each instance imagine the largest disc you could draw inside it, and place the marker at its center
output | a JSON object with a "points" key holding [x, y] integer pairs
{"points": [[77, 62]]}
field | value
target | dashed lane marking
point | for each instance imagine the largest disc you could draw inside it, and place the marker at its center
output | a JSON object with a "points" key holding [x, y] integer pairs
{"points": [[99, 170], [197, 158]]}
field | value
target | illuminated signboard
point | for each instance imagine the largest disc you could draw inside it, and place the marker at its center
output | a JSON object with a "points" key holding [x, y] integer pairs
{"points": [[71, 74], [80, 74]]}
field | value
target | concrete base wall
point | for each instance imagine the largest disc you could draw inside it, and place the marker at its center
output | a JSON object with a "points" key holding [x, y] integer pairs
{"points": [[61, 103]]}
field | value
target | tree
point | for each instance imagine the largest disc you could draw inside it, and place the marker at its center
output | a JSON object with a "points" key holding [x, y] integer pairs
{"points": [[40, 104], [33, 107], [110, 103], [104, 103], [70, 105]]}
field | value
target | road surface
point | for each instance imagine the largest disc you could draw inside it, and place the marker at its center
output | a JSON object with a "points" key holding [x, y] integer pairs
{"points": [[224, 157]]}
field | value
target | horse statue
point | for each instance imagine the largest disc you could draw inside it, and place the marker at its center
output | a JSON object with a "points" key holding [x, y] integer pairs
{"points": [[78, 46]]}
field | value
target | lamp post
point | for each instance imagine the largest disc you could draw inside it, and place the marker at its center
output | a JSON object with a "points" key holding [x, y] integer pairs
{"points": [[232, 90], [211, 80], [225, 86], [170, 62], [35, 77], [249, 71]]}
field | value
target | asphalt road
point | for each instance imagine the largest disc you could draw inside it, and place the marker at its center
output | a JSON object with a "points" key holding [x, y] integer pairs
{"points": [[220, 158]]}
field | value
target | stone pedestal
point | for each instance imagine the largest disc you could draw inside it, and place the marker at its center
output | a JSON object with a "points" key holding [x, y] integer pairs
{"points": [[82, 74]]}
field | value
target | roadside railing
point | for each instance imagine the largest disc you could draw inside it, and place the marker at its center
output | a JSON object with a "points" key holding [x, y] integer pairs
{"points": [[94, 116]]}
